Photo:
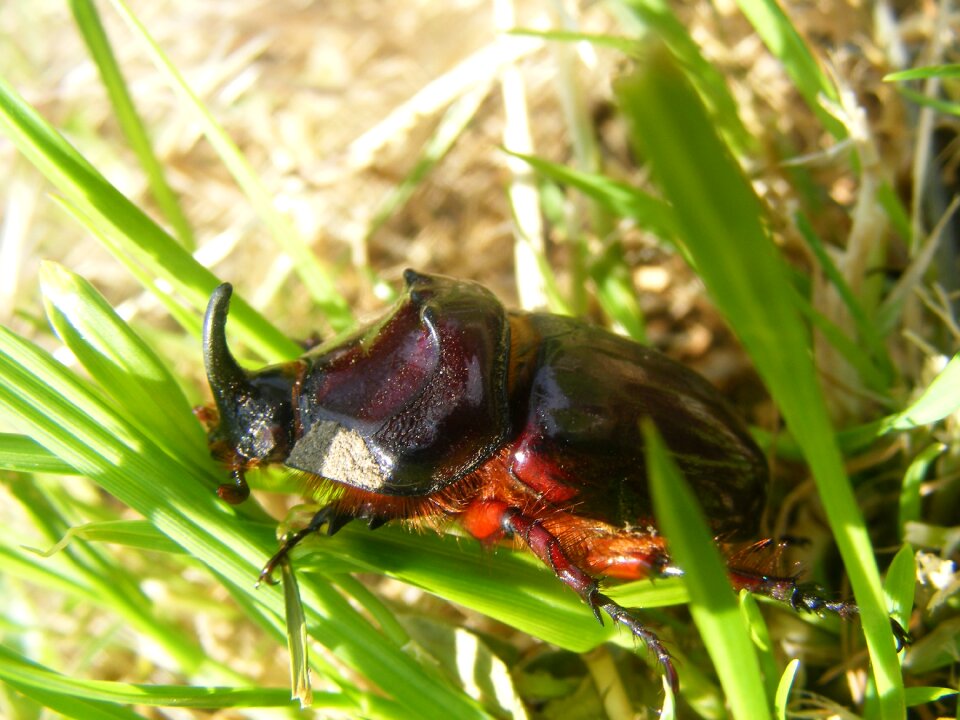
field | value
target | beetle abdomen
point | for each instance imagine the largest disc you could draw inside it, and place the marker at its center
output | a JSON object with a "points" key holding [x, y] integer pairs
{"points": [[580, 440]]}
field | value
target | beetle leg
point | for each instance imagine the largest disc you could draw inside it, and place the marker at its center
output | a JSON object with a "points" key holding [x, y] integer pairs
{"points": [[809, 597], [806, 597], [327, 515], [236, 492], [626, 556], [547, 547], [803, 597]]}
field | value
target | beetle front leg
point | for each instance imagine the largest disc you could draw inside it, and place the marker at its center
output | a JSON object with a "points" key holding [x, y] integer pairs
{"points": [[547, 547], [327, 515]]}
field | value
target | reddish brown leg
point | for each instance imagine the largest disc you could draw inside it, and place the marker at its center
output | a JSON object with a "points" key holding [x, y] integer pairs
{"points": [[545, 546], [237, 491], [747, 567]]}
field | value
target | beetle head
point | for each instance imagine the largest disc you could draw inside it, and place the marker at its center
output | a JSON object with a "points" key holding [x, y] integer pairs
{"points": [[255, 416]]}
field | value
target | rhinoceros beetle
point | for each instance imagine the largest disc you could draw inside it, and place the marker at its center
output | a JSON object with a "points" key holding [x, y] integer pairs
{"points": [[515, 424]]}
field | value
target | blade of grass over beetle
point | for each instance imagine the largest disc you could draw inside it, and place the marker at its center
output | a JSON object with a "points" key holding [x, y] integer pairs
{"points": [[511, 587], [722, 225], [749, 608], [712, 603]]}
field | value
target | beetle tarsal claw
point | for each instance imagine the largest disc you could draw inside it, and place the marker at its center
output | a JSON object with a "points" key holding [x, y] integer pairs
{"points": [[327, 515], [289, 542], [595, 600], [901, 635], [266, 574], [622, 616]]}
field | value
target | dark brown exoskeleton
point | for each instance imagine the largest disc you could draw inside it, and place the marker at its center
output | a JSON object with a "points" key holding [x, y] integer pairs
{"points": [[515, 424]]}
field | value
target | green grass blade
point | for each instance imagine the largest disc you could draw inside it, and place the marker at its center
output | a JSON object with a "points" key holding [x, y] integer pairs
{"points": [[722, 224], [16, 669], [948, 107], [620, 198], [23, 454], [900, 584], [784, 687], [940, 399], [86, 572], [77, 425], [761, 640], [188, 320], [624, 45], [922, 73], [451, 126], [922, 695], [316, 279], [87, 17], [712, 603], [615, 291], [126, 230], [609, 271], [868, 373], [910, 503], [121, 363], [866, 330], [659, 19], [788, 46], [297, 640], [898, 214], [130, 533]]}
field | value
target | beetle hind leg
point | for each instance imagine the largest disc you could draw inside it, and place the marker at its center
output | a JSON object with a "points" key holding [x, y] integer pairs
{"points": [[547, 547], [803, 597]]}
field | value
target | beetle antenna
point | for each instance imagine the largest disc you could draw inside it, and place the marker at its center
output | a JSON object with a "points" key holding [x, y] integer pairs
{"points": [[224, 373]]}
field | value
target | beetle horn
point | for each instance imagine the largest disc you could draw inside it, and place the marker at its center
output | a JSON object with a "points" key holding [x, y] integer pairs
{"points": [[224, 373]]}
